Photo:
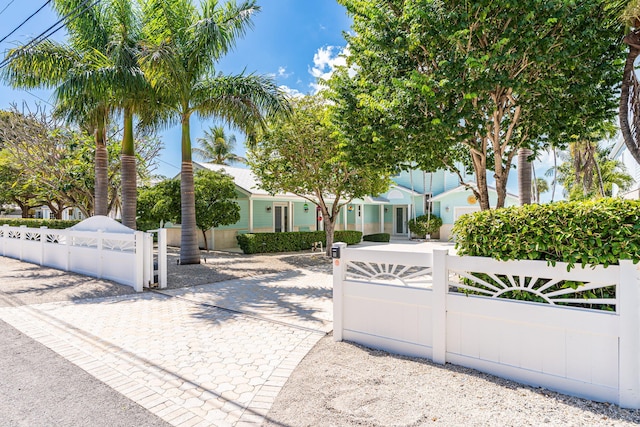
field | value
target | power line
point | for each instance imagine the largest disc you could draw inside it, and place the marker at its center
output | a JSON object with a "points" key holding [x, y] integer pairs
{"points": [[60, 24], [25, 21], [5, 8]]}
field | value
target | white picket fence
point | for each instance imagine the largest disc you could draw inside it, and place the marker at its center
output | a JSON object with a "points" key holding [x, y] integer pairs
{"points": [[121, 257], [413, 303]]}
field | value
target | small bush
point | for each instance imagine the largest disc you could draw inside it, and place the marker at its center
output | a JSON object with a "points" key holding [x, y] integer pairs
{"points": [[425, 224], [582, 232], [377, 237], [259, 243], [56, 224], [350, 237]]}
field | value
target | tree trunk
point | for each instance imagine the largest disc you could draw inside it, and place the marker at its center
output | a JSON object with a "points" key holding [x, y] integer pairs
{"points": [[189, 250], [524, 176], [629, 83], [206, 244], [329, 228], [128, 172], [102, 179], [480, 168]]}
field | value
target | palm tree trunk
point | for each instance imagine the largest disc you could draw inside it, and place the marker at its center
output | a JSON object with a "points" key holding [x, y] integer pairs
{"points": [[629, 83], [524, 176], [128, 172], [101, 163], [189, 250]]}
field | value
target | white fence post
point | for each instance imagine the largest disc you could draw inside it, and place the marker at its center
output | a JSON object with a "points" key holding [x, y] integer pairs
{"points": [[43, 240], [23, 237], [162, 258], [439, 307], [139, 261], [147, 276], [100, 255], [628, 309], [339, 274], [69, 243], [5, 234]]}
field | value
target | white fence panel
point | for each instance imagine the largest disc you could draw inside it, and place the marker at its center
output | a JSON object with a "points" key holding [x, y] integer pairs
{"points": [[121, 257], [427, 305]]}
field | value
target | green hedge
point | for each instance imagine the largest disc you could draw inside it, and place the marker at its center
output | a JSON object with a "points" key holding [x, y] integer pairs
{"points": [[350, 237], [377, 237], [419, 226], [254, 243], [585, 232], [57, 224]]}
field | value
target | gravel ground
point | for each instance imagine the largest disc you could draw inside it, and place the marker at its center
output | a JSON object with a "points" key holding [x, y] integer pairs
{"points": [[343, 384], [217, 266]]}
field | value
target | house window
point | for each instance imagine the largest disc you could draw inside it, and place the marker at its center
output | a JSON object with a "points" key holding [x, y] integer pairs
{"points": [[428, 203]]}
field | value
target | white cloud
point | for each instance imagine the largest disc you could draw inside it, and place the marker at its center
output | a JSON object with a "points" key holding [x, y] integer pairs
{"points": [[325, 62], [282, 72], [293, 93]]}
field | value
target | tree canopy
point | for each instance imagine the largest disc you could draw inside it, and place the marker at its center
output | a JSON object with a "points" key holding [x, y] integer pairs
{"points": [[445, 83], [303, 154]]}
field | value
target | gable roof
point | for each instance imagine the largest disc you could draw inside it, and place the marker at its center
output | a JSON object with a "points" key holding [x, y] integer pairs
{"points": [[244, 179], [461, 188]]}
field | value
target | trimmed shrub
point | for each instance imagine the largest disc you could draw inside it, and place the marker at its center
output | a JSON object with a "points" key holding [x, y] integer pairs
{"points": [[350, 237], [377, 237], [423, 225], [256, 243], [56, 224], [583, 232], [259, 243]]}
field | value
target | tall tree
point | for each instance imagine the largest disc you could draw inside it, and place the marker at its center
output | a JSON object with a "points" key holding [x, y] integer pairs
{"points": [[440, 82], [94, 75], [216, 147], [539, 186], [629, 111], [303, 154], [184, 45]]}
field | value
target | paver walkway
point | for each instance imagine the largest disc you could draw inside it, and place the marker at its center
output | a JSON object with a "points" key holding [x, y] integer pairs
{"points": [[210, 355]]}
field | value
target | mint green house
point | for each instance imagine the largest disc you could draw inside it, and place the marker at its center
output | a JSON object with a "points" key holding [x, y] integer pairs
{"points": [[413, 193]]}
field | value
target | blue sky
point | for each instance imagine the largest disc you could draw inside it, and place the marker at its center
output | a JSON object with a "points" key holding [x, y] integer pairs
{"points": [[293, 40]]}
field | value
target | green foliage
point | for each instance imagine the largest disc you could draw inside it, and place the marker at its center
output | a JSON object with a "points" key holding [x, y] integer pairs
{"points": [[431, 82], [377, 237], [254, 243], [215, 202], [350, 237], [587, 233], [425, 224], [57, 224], [303, 154]]}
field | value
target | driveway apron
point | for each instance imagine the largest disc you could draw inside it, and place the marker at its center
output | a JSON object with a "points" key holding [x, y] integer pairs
{"points": [[209, 355]]}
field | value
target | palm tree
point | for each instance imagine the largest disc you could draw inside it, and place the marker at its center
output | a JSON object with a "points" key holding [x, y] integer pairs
{"points": [[184, 45], [524, 176], [94, 75], [630, 89], [540, 185], [217, 148]]}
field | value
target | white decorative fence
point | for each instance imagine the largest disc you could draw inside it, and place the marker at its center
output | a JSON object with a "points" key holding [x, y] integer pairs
{"points": [[452, 309], [125, 258]]}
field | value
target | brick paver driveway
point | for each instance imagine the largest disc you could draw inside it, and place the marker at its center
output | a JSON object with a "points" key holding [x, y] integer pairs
{"points": [[209, 355]]}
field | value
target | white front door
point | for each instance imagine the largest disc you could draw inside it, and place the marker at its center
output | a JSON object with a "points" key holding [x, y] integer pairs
{"points": [[400, 220]]}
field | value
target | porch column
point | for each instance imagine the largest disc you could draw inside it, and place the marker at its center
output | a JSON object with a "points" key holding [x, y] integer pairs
{"points": [[344, 217], [362, 218], [409, 213], [290, 219], [250, 215], [382, 218]]}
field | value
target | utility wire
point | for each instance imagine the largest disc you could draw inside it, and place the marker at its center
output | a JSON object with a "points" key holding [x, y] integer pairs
{"points": [[43, 36], [5, 8], [25, 21]]}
